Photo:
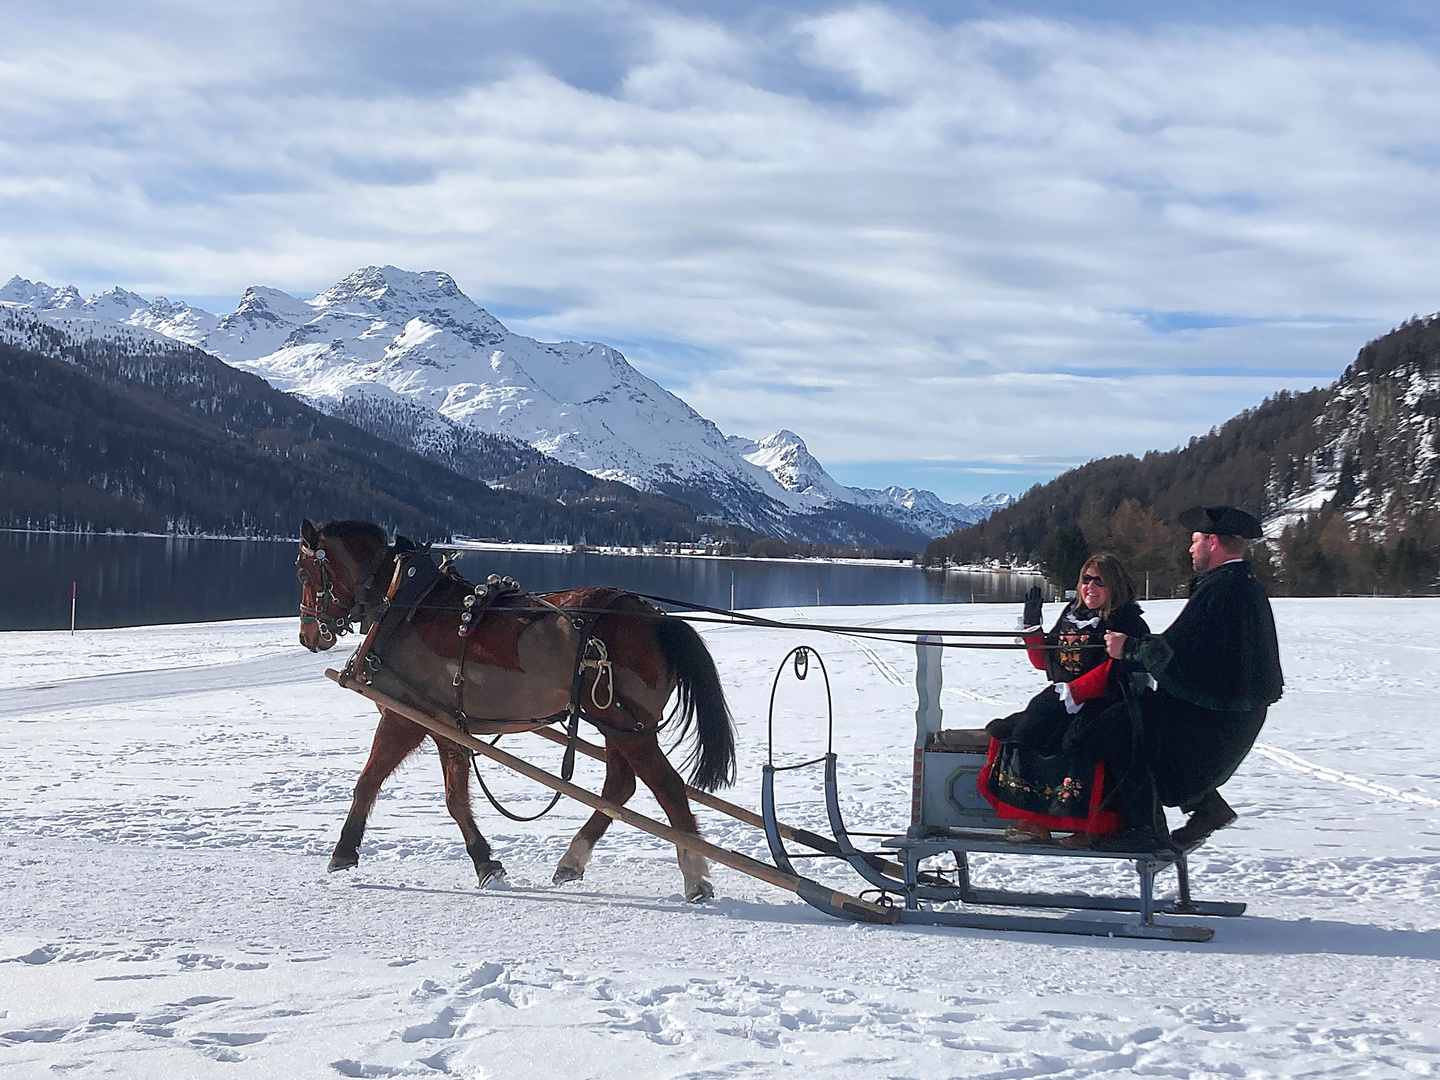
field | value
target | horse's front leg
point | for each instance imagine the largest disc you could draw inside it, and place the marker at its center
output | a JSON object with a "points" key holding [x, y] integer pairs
{"points": [[619, 786], [395, 739], [653, 767], [455, 764]]}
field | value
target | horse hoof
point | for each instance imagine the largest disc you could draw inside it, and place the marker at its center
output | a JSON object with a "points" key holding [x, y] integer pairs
{"points": [[488, 871], [700, 890], [565, 874], [342, 862]]}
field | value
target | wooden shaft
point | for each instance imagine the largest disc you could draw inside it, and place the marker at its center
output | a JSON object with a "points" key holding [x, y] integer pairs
{"points": [[704, 798], [733, 859], [734, 810]]}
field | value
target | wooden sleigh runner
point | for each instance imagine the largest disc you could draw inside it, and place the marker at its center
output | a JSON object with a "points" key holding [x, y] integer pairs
{"points": [[950, 817]]}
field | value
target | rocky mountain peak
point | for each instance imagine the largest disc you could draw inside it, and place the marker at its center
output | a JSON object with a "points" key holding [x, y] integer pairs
{"points": [[387, 288], [38, 294]]}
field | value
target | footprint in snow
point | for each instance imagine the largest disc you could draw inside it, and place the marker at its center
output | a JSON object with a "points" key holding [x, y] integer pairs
{"points": [[350, 1067], [483, 975], [659, 995], [109, 1020], [442, 1027], [229, 1038], [35, 1035]]}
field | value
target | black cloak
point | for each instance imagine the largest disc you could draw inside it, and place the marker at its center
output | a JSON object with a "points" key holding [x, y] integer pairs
{"points": [[1218, 671], [1220, 652]]}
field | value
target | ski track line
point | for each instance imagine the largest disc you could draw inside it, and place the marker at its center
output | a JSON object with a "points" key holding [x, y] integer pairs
{"points": [[1335, 776], [891, 675], [971, 695], [132, 686]]}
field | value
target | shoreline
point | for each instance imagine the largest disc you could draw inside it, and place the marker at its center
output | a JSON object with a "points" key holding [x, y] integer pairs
{"points": [[488, 545]]}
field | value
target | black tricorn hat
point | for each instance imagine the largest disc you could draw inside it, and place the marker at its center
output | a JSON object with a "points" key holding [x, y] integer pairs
{"points": [[1221, 520]]}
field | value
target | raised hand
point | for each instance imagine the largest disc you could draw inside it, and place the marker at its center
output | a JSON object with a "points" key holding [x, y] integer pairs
{"points": [[1034, 606]]}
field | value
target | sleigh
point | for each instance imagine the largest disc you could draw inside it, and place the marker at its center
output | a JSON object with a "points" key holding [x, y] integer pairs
{"points": [[950, 821]]}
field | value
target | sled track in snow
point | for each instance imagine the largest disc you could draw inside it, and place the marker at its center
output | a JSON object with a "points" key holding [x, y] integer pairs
{"points": [[1322, 772], [121, 687]]}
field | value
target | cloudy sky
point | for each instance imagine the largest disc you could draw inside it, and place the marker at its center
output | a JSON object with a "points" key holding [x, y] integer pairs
{"points": [[955, 245]]}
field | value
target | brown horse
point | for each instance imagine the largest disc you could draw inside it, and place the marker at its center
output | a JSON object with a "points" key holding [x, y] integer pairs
{"points": [[520, 662]]}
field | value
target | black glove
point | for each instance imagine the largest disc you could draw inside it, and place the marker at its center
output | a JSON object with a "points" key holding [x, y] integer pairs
{"points": [[1034, 606]]}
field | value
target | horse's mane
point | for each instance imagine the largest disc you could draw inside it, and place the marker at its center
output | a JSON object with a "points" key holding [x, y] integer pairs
{"points": [[353, 530]]}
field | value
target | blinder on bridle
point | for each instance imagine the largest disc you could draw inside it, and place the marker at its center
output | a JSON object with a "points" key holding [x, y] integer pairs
{"points": [[328, 612], [333, 615]]}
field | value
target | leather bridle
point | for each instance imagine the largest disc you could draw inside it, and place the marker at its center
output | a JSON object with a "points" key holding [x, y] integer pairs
{"points": [[331, 612]]}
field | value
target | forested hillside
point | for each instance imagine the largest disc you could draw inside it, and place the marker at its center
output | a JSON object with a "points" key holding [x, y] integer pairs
{"points": [[1346, 478], [140, 435]]}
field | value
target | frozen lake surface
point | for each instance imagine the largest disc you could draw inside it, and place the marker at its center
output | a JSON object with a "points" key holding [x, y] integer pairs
{"points": [[170, 796]]}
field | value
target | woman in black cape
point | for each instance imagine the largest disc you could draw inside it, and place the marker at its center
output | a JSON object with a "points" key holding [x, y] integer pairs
{"points": [[1033, 776]]}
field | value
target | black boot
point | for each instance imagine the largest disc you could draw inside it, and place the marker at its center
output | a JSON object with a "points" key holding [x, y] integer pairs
{"points": [[1208, 814]]}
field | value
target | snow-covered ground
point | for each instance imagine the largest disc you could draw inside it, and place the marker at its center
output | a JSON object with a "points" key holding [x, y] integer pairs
{"points": [[170, 796]]}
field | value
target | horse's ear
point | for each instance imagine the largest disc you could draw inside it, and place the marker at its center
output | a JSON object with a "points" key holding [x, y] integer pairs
{"points": [[309, 532]]}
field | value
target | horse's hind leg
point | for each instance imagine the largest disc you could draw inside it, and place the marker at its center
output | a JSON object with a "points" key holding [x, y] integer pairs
{"points": [[455, 763], [653, 767], [395, 739], [619, 786]]}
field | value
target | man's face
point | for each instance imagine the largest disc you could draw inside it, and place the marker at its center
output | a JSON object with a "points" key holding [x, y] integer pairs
{"points": [[1202, 550]]}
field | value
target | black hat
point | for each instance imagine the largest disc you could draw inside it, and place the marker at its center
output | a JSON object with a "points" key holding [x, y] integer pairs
{"points": [[1221, 520]]}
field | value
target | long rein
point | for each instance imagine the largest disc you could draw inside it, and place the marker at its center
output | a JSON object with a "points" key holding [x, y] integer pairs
{"points": [[702, 613]]}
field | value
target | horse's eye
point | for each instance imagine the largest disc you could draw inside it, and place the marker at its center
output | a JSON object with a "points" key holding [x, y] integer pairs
{"points": [[303, 575]]}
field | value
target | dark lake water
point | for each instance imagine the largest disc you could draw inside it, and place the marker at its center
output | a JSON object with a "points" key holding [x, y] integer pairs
{"points": [[138, 580]]}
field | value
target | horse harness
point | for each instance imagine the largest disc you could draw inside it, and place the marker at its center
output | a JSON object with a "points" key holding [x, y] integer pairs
{"points": [[416, 576]]}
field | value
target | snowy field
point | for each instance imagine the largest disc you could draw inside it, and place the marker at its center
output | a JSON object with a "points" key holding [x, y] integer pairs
{"points": [[170, 796]]}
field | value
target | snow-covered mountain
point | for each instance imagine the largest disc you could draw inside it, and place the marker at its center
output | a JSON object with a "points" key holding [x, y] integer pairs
{"points": [[1374, 448], [414, 339], [785, 457], [65, 307]]}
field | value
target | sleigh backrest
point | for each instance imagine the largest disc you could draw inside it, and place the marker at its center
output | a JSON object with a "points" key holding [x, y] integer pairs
{"points": [[944, 790]]}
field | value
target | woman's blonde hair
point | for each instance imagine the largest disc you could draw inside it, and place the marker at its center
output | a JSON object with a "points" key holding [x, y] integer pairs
{"points": [[1119, 589]]}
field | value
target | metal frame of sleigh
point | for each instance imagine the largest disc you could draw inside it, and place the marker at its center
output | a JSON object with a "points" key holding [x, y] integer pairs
{"points": [[950, 817]]}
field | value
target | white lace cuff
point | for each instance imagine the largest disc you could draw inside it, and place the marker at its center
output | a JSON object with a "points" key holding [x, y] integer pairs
{"points": [[1062, 691]]}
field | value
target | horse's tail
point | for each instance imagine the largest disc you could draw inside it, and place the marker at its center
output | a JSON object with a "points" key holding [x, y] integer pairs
{"points": [[702, 700]]}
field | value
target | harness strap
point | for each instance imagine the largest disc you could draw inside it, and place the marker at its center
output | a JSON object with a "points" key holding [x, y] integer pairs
{"points": [[355, 666]]}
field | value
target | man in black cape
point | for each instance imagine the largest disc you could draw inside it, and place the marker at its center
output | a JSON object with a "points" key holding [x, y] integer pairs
{"points": [[1217, 669]]}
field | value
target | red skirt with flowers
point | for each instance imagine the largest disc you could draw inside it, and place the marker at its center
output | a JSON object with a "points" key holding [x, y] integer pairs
{"points": [[1051, 790]]}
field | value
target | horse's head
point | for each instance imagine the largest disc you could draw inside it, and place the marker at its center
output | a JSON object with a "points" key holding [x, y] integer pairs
{"points": [[336, 566]]}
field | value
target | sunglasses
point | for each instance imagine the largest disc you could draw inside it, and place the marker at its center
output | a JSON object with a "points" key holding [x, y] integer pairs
{"points": [[1091, 579]]}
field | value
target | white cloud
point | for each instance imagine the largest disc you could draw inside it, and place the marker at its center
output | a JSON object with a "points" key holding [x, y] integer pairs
{"points": [[891, 236]]}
